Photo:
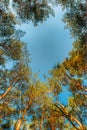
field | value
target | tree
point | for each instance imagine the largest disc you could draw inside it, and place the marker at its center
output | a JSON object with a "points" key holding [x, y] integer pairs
{"points": [[72, 73], [36, 99], [9, 46], [13, 79], [35, 11], [14, 84]]}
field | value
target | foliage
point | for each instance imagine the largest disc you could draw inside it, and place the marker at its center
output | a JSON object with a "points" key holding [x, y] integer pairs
{"points": [[27, 103], [33, 10]]}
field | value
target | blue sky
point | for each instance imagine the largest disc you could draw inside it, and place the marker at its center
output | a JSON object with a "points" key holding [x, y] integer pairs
{"points": [[48, 42]]}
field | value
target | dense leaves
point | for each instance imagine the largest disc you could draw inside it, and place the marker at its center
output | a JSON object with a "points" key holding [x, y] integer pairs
{"points": [[33, 10]]}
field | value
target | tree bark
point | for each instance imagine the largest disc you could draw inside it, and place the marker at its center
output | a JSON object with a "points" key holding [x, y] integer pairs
{"points": [[83, 88], [19, 122], [8, 89], [41, 122], [78, 122], [52, 122], [4, 94]]}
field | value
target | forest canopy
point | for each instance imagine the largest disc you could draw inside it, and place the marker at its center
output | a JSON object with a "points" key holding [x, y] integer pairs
{"points": [[25, 101]]}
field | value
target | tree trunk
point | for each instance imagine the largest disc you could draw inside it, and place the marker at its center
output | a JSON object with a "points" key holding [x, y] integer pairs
{"points": [[18, 125], [78, 122], [52, 122], [9, 88], [19, 122], [4, 94], [41, 122]]}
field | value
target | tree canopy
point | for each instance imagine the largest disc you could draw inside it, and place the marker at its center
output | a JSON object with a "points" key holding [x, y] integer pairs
{"points": [[31, 104]]}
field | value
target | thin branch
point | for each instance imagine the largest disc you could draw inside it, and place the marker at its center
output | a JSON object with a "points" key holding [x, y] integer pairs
{"points": [[69, 117], [9, 89]]}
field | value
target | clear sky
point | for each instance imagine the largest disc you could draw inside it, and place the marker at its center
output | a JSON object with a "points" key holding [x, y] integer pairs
{"points": [[48, 42]]}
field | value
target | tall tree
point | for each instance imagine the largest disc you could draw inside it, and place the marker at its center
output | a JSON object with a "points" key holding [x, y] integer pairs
{"points": [[72, 73], [14, 78]]}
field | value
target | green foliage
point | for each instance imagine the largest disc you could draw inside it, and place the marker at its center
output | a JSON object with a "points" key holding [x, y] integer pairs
{"points": [[10, 47], [35, 11]]}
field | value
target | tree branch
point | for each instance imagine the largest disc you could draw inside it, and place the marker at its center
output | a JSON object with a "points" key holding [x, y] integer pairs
{"points": [[69, 117], [19, 122], [8, 89]]}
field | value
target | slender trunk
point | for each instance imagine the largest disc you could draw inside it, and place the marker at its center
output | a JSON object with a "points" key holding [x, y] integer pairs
{"points": [[52, 127], [83, 88], [8, 89], [41, 121], [4, 94], [19, 122], [78, 122], [52, 122]]}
